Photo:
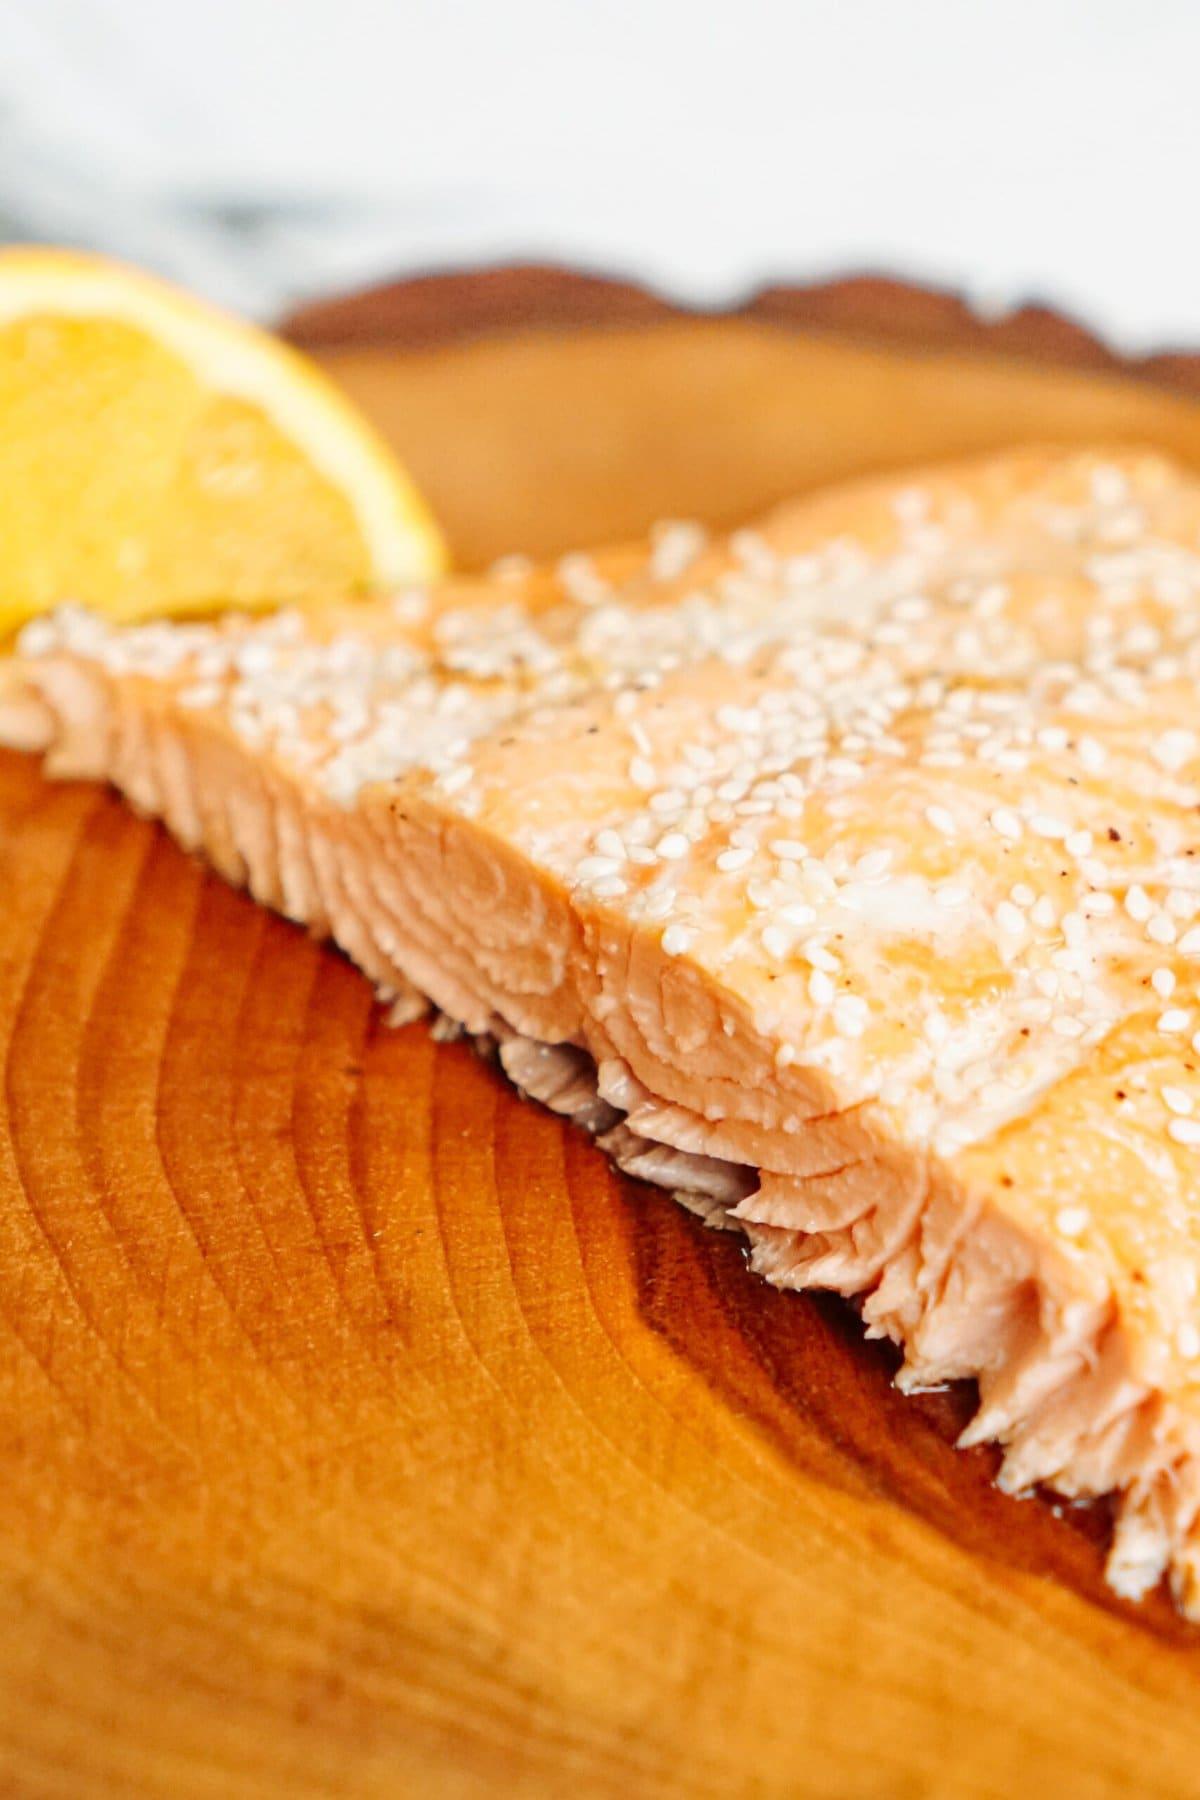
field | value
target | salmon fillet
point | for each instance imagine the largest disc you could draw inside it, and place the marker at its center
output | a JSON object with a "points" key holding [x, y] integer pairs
{"points": [[842, 875]]}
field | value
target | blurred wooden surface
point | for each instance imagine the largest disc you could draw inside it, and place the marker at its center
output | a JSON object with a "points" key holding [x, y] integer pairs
{"points": [[529, 435], [360, 1432]]}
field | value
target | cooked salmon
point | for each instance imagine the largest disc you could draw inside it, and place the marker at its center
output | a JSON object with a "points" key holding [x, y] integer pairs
{"points": [[842, 875]]}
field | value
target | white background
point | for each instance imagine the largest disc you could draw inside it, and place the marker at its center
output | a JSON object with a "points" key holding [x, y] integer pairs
{"points": [[266, 150]]}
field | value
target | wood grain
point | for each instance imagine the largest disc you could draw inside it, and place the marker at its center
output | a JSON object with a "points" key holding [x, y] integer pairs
{"points": [[361, 1433]]}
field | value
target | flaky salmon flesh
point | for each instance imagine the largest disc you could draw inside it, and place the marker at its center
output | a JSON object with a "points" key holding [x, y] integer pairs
{"points": [[843, 875]]}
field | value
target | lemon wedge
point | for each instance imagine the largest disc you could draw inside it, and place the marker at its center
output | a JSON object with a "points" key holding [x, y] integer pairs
{"points": [[158, 457]]}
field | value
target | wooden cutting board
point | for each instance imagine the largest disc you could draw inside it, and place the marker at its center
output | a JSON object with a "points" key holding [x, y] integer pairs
{"points": [[360, 1432]]}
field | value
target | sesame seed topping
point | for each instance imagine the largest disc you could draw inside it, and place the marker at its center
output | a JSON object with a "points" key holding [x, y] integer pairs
{"points": [[1161, 929], [820, 957], [1172, 750], [898, 749], [850, 1015], [594, 867]]}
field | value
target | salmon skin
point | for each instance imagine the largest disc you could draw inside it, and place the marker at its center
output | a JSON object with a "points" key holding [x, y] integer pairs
{"points": [[842, 875]]}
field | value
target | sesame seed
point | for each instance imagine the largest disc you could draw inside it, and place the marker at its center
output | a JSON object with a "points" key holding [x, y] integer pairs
{"points": [[1171, 750], [594, 868], [656, 903], [1072, 1221], [730, 860], [821, 990], [776, 941], [1185, 1131], [673, 846], [850, 1015], [1174, 1020], [1177, 1101], [1006, 822], [676, 939], [667, 800], [1161, 929], [941, 819], [1163, 982], [1187, 1340], [820, 957]]}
